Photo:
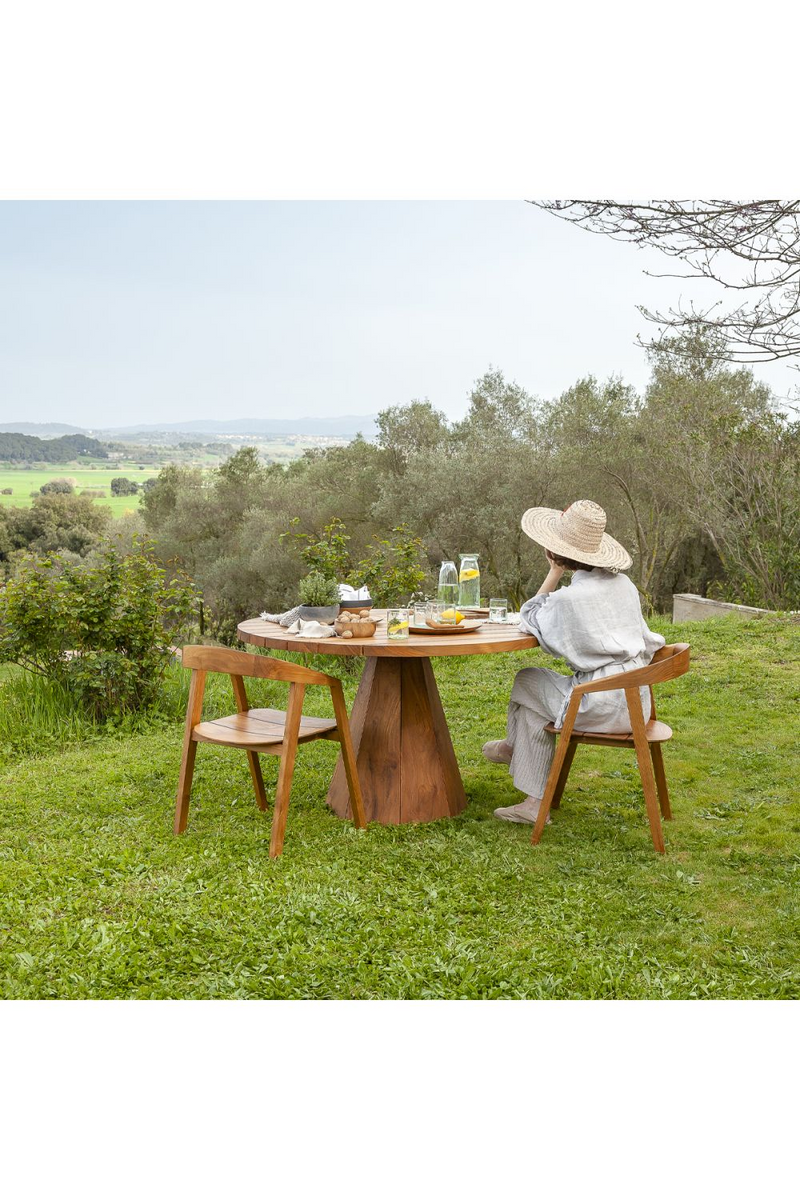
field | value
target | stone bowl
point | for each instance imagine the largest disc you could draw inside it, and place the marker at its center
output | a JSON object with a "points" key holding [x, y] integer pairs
{"points": [[325, 616]]}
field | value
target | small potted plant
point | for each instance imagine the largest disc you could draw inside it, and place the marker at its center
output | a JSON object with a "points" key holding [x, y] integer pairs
{"points": [[319, 598]]}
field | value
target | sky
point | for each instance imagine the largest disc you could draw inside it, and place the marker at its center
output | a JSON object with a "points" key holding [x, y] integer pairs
{"points": [[117, 313]]}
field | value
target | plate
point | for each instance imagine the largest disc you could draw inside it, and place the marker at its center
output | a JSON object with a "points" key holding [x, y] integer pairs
{"points": [[463, 627]]}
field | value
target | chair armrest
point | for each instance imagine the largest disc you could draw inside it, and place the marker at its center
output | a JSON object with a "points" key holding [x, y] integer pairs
{"points": [[663, 666]]}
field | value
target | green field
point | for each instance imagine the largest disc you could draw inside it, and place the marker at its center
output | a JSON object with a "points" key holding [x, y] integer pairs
{"points": [[98, 899], [23, 482]]}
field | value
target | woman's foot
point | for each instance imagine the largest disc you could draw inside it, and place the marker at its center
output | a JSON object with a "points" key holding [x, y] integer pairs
{"points": [[497, 752], [522, 814]]}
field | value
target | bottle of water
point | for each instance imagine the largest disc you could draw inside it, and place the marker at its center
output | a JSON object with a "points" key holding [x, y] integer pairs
{"points": [[469, 582], [448, 584]]}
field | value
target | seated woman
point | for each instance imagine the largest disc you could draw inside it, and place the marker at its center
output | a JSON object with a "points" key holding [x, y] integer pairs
{"points": [[595, 625]]}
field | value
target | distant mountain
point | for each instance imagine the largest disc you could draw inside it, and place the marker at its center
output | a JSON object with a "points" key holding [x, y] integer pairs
{"points": [[48, 429], [344, 427]]}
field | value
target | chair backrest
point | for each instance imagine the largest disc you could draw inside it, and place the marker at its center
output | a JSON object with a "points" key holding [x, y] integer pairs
{"points": [[255, 666], [668, 663]]}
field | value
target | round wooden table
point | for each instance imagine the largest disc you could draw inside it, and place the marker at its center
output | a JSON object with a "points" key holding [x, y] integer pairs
{"points": [[406, 761]]}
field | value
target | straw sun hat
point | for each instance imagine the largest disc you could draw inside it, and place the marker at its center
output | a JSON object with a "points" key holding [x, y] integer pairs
{"points": [[579, 533]]}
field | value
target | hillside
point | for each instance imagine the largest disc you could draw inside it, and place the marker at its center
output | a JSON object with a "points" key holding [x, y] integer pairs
{"points": [[340, 427], [22, 447], [48, 429]]}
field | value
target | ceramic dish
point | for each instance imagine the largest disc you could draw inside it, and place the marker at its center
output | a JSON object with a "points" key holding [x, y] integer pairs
{"points": [[463, 627]]}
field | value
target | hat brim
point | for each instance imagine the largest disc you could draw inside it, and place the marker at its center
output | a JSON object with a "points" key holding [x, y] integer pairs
{"points": [[541, 526]]}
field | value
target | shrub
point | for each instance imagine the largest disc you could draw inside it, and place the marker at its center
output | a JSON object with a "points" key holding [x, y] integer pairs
{"points": [[54, 523], [120, 486], [102, 631], [318, 592], [391, 568], [8, 491], [58, 487]]}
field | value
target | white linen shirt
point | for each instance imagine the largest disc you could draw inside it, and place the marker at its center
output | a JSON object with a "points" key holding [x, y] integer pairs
{"points": [[596, 626]]}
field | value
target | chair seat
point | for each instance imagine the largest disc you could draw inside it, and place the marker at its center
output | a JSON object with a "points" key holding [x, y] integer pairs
{"points": [[655, 731], [260, 728]]}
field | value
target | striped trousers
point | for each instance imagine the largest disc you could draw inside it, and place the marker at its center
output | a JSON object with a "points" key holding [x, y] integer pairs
{"points": [[540, 696]]}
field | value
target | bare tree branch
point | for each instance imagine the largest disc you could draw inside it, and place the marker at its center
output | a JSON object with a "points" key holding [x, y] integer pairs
{"points": [[750, 249]]}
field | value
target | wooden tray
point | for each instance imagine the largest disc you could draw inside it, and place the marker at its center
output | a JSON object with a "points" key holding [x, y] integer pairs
{"points": [[464, 626]]}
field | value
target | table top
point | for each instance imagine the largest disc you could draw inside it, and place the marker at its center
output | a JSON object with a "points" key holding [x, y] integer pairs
{"points": [[490, 639]]}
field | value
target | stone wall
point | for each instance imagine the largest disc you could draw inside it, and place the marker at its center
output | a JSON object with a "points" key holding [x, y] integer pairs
{"points": [[687, 607]]}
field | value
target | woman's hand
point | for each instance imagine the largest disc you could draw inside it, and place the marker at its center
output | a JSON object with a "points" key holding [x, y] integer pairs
{"points": [[554, 566], [553, 578]]}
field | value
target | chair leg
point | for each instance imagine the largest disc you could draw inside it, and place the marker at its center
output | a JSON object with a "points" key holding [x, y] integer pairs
{"points": [[288, 756], [194, 711], [645, 767], [184, 787], [258, 779], [348, 755], [661, 780], [562, 779]]}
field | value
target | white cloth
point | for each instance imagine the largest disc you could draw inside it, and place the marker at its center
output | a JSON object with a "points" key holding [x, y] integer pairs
{"points": [[348, 593], [596, 625], [285, 619], [311, 629]]}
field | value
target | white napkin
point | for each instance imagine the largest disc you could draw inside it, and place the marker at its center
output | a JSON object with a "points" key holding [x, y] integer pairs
{"points": [[348, 593], [311, 629]]}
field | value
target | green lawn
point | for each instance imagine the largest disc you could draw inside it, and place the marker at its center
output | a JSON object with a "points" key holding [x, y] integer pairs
{"points": [[23, 482], [98, 899]]}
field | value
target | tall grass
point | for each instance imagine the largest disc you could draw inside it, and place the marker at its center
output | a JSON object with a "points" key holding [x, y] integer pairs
{"points": [[38, 715]]}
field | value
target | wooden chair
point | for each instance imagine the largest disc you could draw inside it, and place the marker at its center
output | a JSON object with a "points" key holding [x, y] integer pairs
{"points": [[668, 663], [262, 730]]}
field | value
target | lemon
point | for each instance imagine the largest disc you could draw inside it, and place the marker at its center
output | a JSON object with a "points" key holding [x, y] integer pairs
{"points": [[470, 573], [451, 614]]}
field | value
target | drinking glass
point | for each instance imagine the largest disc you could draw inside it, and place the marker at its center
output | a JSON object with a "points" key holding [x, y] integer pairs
{"points": [[444, 613], [498, 611], [397, 624], [421, 610]]}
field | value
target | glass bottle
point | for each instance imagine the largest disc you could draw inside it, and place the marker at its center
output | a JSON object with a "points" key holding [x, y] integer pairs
{"points": [[469, 582], [448, 584]]}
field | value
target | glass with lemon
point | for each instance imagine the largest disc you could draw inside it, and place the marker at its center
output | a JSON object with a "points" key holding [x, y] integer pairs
{"points": [[397, 624], [445, 614], [469, 582]]}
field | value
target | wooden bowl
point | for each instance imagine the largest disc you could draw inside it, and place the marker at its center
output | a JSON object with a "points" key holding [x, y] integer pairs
{"points": [[360, 627]]}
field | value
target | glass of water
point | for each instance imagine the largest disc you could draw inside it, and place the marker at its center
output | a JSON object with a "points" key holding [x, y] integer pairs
{"points": [[397, 624], [498, 611], [421, 611]]}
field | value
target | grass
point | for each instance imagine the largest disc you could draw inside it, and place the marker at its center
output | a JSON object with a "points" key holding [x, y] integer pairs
{"points": [[98, 899], [23, 482]]}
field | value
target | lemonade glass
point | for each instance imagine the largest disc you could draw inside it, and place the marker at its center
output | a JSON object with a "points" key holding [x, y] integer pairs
{"points": [[397, 624]]}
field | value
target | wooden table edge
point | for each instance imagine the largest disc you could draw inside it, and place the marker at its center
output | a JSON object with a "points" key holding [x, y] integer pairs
{"points": [[420, 645]]}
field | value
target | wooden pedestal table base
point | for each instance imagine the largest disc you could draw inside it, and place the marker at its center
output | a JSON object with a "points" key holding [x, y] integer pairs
{"points": [[404, 754], [406, 762]]}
